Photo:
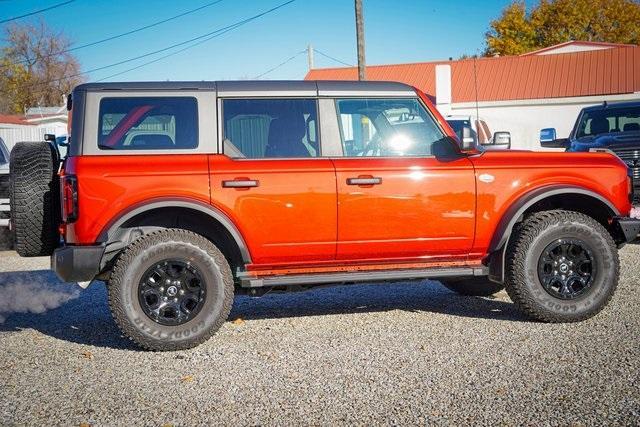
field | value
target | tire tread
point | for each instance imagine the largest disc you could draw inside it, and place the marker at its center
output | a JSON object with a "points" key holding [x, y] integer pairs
{"points": [[517, 248], [133, 250]]}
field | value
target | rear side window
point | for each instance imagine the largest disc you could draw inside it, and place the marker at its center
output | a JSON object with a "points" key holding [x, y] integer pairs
{"points": [[270, 128], [158, 123]]}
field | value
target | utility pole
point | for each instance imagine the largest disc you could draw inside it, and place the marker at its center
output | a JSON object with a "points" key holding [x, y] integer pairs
{"points": [[360, 40], [310, 56]]}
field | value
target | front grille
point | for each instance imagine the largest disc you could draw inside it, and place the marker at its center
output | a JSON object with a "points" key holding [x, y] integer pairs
{"points": [[4, 186]]}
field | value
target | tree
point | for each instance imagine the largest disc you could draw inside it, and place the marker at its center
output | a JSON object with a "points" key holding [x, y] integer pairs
{"points": [[557, 21], [35, 69]]}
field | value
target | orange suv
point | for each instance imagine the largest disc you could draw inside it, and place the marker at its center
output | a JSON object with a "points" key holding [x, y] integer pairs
{"points": [[180, 195]]}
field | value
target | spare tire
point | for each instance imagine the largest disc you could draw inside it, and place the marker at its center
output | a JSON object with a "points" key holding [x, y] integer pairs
{"points": [[34, 195]]}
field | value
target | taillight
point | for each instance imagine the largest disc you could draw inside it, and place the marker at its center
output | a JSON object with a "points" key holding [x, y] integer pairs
{"points": [[69, 190]]}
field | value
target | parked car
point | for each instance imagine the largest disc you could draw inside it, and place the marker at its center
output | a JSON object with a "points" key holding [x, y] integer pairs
{"points": [[181, 195], [613, 127], [4, 185], [475, 132]]}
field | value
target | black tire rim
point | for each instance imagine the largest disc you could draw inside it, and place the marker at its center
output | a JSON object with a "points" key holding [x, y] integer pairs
{"points": [[566, 268], [171, 292]]}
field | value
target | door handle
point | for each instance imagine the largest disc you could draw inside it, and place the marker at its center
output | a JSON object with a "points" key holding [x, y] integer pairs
{"points": [[240, 183], [361, 180]]}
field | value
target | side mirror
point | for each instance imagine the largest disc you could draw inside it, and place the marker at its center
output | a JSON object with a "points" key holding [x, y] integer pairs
{"points": [[502, 140], [548, 139], [49, 137]]}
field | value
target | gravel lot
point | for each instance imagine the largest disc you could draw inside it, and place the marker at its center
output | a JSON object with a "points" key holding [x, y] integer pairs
{"points": [[383, 354]]}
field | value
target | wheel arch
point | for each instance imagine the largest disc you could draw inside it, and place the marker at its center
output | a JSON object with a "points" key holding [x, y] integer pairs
{"points": [[572, 198], [192, 215]]}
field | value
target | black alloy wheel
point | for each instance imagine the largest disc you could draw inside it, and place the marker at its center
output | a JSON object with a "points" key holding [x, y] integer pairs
{"points": [[566, 268], [171, 292]]}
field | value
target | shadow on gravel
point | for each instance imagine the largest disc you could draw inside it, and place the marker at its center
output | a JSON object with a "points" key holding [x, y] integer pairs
{"points": [[418, 297], [86, 319]]}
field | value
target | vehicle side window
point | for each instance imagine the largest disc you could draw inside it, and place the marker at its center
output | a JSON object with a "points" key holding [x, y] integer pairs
{"points": [[270, 128], [389, 128], [140, 123]]}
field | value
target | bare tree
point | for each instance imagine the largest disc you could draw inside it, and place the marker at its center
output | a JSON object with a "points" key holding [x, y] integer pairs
{"points": [[35, 67]]}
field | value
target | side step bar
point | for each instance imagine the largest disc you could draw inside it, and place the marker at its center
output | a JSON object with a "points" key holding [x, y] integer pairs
{"points": [[249, 281]]}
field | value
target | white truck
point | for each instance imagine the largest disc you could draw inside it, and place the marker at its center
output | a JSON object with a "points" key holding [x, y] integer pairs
{"points": [[475, 132]]}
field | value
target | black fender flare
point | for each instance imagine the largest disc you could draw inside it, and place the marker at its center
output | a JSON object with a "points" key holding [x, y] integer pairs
{"points": [[110, 230], [514, 214]]}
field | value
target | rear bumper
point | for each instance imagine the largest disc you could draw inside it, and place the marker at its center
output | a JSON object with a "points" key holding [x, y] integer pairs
{"points": [[77, 263], [629, 228]]}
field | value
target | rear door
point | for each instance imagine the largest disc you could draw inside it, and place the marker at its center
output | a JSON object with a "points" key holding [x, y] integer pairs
{"points": [[272, 180], [404, 191]]}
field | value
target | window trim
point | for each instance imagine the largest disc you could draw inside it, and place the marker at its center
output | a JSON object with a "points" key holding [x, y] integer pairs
{"points": [[414, 97], [221, 136], [206, 106]]}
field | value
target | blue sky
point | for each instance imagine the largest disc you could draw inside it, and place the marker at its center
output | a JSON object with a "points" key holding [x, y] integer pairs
{"points": [[396, 32]]}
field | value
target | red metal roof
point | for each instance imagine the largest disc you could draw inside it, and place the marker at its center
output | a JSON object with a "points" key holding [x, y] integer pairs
{"points": [[595, 72], [576, 43], [13, 119]]}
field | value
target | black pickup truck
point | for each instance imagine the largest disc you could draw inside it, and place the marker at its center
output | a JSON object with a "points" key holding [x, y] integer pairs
{"points": [[613, 127]]}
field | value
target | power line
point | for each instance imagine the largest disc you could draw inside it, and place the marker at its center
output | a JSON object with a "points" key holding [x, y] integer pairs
{"points": [[203, 38], [167, 56], [332, 58], [36, 12], [117, 36], [286, 61]]}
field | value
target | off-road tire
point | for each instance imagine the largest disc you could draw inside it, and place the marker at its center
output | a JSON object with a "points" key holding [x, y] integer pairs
{"points": [[521, 270], [473, 286], [34, 197], [152, 248]]}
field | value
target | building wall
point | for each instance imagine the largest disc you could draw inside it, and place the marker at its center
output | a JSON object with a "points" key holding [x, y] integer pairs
{"points": [[524, 119]]}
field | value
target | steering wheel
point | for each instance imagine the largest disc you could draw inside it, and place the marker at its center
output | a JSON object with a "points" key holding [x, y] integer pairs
{"points": [[373, 145]]}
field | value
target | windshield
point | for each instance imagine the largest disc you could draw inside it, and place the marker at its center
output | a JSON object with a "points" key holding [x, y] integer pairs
{"points": [[607, 120], [458, 126]]}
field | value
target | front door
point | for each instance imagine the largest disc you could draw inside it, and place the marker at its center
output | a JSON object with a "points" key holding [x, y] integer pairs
{"points": [[404, 191], [272, 181]]}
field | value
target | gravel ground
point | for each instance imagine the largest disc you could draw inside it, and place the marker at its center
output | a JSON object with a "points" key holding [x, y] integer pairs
{"points": [[383, 354]]}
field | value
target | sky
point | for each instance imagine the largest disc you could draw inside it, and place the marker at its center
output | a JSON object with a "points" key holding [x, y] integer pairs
{"points": [[395, 32]]}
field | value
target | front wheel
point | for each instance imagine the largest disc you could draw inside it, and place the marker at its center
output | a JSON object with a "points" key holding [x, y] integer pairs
{"points": [[170, 290], [561, 266]]}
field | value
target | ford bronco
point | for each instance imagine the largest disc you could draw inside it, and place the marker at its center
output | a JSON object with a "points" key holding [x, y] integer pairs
{"points": [[180, 195]]}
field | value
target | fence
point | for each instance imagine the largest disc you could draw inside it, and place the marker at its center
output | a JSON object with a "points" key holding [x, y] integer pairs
{"points": [[11, 136]]}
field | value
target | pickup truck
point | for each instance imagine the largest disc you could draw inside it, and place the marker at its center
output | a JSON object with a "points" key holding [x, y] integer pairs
{"points": [[180, 195], [609, 127]]}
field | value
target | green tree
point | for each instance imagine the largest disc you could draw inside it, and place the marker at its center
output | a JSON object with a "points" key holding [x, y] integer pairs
{"points": [[551, 22], [35, 69]]}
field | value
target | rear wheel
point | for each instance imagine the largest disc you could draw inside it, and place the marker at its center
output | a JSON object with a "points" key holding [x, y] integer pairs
{"points": [[473, 286], [34, 193], [170, 290], [561, 266]]}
